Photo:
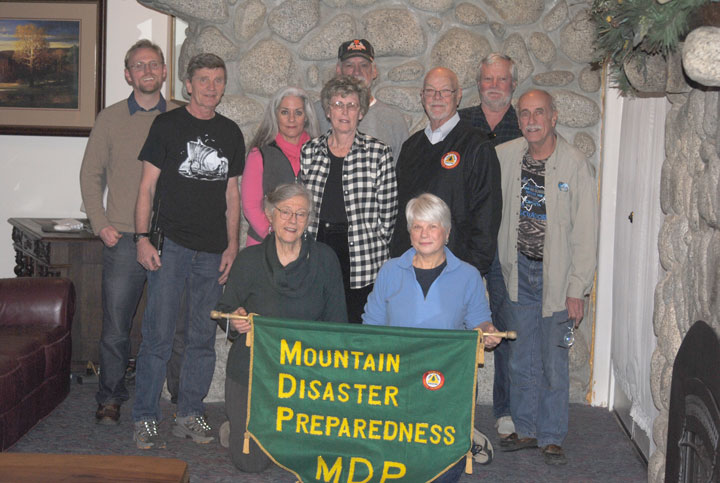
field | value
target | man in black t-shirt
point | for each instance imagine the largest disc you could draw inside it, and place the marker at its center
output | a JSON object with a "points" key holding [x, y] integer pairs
{"points": [[191, 161]]}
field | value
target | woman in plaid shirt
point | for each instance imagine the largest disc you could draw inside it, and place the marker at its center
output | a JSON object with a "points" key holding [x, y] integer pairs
{"points": [[352, 180]]}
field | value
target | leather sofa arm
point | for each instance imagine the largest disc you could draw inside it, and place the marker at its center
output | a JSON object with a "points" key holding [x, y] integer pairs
{"points": [[30, 300]]}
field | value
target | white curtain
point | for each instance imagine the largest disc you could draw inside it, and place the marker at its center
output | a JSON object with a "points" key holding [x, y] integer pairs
{"points": [[636, 260]]}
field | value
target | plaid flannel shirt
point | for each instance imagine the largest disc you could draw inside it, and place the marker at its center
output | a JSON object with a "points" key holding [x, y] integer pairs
{"points": [[506, 130], [370, 194]]}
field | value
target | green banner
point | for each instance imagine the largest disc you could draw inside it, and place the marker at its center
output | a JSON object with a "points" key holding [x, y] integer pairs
{"points": [[346, 403]]}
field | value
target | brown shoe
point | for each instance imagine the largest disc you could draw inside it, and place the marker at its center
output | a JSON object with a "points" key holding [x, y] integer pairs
{"points": [[554, 455], [516, 443], [108, 414]]}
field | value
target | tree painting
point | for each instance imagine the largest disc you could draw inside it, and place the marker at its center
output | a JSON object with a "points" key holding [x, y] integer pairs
{"points": [[39, 63], [31, 48]]}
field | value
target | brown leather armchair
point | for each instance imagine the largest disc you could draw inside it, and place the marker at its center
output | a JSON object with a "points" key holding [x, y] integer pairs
{"points": [[35, 348]]}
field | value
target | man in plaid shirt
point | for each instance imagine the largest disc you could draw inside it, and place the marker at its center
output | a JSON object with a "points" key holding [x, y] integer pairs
{"points": [[496, 117]]}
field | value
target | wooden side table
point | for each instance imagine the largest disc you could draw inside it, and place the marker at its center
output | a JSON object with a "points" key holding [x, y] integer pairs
{"points": [[77, 256], [36, 467]]}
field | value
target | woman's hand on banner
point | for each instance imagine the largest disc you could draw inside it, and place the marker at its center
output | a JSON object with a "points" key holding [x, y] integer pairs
{"points": [[488, 328], [241, 325]]}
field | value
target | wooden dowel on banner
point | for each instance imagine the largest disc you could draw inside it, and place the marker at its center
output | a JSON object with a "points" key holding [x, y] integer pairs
{"points": [[222, 315], [510, 334], [214, 314]]}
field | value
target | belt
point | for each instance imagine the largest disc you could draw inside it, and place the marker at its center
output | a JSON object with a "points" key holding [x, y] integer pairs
{"points": [[532, 259]]}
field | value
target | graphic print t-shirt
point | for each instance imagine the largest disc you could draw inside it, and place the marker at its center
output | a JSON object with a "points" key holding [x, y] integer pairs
{"points": [[196, 158], [533, 217]]}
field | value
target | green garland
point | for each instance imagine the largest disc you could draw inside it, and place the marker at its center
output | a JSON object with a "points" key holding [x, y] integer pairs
{"points": [[629, 29]]}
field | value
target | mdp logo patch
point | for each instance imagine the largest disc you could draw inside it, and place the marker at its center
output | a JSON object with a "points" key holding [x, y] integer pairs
{"points": [[450, 160], [433, 380]]}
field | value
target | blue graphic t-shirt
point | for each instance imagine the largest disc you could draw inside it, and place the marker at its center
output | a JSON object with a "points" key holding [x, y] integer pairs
{"points": [[533, 217]]}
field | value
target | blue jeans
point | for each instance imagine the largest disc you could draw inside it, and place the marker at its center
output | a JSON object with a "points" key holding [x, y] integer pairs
{"points": [[539, 374], [501, 354], [123, 279], [198, 272]]}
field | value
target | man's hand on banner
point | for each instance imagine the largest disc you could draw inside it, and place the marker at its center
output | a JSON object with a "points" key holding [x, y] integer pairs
{"points": [[241, 325], [488, 328]]}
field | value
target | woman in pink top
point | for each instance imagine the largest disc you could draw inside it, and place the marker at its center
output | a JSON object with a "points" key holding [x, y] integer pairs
{"points": [[274, 155]]}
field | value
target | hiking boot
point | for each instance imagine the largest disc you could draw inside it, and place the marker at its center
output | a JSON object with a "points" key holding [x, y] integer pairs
{"points": [[482, 449], [107, 414], [193, 427], [146, 435]]}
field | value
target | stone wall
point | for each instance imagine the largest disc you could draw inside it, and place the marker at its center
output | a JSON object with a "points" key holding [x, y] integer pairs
{"points": [[268, 44], [689, 240]]}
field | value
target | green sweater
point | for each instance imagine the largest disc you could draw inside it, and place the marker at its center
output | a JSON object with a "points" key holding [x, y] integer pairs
{"points": [[111, 159], [310, 288]]}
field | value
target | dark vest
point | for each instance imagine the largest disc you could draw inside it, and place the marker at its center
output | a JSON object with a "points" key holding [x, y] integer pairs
{"points": [[276, 171]]}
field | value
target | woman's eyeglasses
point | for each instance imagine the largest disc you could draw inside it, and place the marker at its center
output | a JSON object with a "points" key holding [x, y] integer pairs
{"points": [[341, 106], [286, 214]]}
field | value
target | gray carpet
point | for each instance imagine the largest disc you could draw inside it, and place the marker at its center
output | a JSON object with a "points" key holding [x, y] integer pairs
{"points": [[597, 449]]}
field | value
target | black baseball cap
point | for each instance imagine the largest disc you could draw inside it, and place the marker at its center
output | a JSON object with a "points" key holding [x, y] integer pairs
{"points": [[356, 48]]}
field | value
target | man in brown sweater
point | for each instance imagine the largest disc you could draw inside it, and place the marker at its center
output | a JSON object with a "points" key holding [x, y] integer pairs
{"points": [[111, 161]]}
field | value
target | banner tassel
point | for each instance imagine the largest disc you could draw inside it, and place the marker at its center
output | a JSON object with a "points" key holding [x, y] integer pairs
{"points": [[468, 462], [246, 443]]}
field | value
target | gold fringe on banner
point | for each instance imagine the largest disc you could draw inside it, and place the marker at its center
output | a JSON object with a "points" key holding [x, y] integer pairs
{"points": [[246, 443]]}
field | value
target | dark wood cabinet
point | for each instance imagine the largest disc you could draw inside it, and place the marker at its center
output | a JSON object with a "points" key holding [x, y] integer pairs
{"points": [[77, 256]]}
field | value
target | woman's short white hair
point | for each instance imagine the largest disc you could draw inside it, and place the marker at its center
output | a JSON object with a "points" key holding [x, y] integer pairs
{"points": [[428, 208]]}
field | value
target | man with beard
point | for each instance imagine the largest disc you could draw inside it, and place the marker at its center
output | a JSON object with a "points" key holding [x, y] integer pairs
{"points": [[495, 116], [356, 58], [547, 247], [456, 162], [111, 161]]}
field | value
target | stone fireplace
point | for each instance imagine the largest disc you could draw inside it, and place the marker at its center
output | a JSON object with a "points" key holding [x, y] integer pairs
{"points": [[689, 247], [693, 449]]}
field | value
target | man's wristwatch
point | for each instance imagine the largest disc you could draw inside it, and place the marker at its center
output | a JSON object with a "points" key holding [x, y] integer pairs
{"points": [[138, 236]]}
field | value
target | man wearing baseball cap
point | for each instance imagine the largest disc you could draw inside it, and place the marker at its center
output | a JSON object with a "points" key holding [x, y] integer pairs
{"points": [[356, 58]]}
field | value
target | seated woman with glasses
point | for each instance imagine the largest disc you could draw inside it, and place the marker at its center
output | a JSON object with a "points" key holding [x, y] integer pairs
{"points": [[352, 180], [274, 154], [288, 275], [430, 288]]}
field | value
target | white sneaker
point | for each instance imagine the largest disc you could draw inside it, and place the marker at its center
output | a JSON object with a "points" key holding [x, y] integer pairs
{"points": [[224, 433], [505, 426], [482, 448]]}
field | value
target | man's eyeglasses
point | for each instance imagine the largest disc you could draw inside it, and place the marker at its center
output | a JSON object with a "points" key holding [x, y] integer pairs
{"points": [[341, 106], [140, 66], [445, 93], [286, 214]]}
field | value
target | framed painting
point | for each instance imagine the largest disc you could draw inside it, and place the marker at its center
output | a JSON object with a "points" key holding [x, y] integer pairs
{"points": [[52, 57], [177, 38]]}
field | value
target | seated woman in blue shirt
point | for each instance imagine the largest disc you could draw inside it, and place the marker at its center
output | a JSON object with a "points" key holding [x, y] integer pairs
{"points": [[427, 286], [430, 288]]}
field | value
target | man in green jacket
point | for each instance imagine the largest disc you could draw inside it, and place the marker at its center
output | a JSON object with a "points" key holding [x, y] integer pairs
{"points": [[547, 245]]}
